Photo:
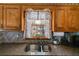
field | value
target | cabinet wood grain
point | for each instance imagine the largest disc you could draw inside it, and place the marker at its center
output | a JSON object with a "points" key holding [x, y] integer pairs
{"points": [[12, 17], [1, 16], [59, 19]]}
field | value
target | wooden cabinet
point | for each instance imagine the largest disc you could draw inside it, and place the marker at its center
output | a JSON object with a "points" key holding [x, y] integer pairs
{"points": [[73, 19], [66, 19], [12, 17], [59, 19], [1, 17]]}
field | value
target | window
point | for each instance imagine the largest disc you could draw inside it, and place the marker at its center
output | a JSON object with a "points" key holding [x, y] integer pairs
{"points": [[38, 23]]}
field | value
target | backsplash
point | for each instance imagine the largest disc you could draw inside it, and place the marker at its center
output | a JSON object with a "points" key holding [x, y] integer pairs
{"points": [[9, 36]]}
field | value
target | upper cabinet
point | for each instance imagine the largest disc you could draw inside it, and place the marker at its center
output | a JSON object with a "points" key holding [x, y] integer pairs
{"points": [[12, 18], [59, 20], [1, 16], [66, 19], [73, 19]]}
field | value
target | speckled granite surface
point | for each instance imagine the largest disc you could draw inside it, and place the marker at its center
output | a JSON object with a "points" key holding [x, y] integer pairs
{"points": [[18, 49]]}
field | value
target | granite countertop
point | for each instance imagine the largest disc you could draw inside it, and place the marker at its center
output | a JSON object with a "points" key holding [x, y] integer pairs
{"points": [[32, 41]]}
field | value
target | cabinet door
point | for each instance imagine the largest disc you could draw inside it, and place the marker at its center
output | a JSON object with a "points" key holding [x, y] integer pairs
{"points": [[1, 17], [73, 19], [59, 20], [12, 17]]}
